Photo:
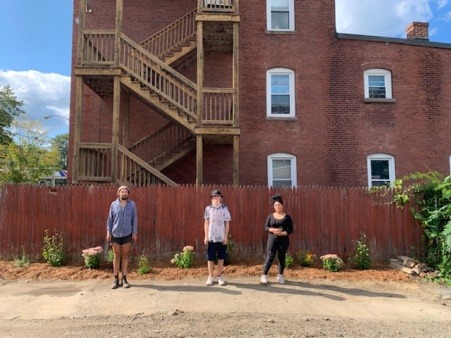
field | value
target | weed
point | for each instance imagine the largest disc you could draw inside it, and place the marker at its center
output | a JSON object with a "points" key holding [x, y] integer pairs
{"points": [[143, 265], [185, 259], [52, 250]]}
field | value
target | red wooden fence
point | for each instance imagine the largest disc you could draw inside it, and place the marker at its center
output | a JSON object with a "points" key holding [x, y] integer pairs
{"points": [[326, 220]]}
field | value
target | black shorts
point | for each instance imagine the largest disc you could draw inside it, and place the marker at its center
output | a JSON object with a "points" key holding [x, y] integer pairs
{"points": [[216, 250], [121, 240]]}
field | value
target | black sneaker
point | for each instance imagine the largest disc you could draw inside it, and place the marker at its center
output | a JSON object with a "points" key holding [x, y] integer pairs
{"points": [[125, 283], [115, 284]]}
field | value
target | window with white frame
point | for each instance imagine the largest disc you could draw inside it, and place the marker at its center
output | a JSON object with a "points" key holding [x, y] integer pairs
{"points": [[377, 83], [282, 170], [280, 93], [280, 15], [381, 170]]}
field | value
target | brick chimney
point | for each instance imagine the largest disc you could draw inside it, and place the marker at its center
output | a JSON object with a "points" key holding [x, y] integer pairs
{"points": [[418, 31]]}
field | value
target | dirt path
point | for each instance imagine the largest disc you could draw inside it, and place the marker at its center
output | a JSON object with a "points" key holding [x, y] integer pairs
{"points": [[187, 308]]}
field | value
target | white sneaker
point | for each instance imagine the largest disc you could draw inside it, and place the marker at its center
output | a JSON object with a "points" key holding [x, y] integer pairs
{"points": [[210, 280], [264, 279], [221, 281], [280, 279]]}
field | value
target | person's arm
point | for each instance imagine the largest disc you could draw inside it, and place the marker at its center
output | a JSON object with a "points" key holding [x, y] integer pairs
{"points": [[226, 232], [290, 228], [206, 225], [135, 224], [109, 224]]}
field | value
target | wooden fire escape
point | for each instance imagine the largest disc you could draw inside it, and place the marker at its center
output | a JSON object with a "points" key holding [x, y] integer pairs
{"points": [[111, 63]]}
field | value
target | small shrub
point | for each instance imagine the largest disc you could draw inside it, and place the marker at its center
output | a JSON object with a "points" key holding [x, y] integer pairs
{"points": [[22, 261], [332, 263], [52, 250], [143, 265], [110, 256], [361, 258], [306, 258], [230, 248], [92, 257], [289, 261], [185, 259]]}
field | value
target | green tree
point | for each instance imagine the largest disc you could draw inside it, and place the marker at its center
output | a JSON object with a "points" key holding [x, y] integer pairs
{"points": [[60, 145], [26, 159], [10, 107], [430, 194]]}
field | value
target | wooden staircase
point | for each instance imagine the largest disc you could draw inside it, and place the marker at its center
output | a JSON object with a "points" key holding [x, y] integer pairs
{"points": [[145, 70]]}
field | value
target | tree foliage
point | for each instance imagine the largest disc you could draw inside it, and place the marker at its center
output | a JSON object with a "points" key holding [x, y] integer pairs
{"points": [[431, 196], [10, 107], [26, 159], [60, 146]]}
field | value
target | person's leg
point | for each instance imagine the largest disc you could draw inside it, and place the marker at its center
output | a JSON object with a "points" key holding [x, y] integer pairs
{"points": [[211, 268], [210, 263], [270, 254], [281, 256], [221, 254], [116, 264], [126, 248]]}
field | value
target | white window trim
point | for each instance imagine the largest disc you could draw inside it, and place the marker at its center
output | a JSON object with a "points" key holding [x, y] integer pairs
{"points": [[291, 17], [280, 71], [391, 167], [282, 156], [387, 79]]}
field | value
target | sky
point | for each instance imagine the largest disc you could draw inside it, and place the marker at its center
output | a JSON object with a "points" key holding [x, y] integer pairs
{"points": [[36, 37]]}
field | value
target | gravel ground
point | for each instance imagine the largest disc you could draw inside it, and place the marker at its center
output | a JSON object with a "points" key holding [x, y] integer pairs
{"points": [[42, 301]]}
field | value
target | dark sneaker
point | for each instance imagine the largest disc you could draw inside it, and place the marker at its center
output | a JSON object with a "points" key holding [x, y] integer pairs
{"points": [[115, 284], [125, 283]]}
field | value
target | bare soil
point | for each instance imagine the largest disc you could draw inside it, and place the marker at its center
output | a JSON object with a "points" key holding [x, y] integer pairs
{"points": [[69, 301]]}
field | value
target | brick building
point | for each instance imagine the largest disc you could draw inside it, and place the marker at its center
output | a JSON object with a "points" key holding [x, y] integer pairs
{"points": [[251, 92]]}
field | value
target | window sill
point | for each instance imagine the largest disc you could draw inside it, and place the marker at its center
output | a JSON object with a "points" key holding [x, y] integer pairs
{"points": [[281, 32], [379, 100], [281, 118]]}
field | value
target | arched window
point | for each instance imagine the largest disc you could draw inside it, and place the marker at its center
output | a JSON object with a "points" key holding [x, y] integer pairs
{"points": [[282, 170], [381, 170], [280, 93]]}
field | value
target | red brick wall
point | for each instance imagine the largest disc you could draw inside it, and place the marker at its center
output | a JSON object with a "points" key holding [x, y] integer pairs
{"points": [[334, 130]]}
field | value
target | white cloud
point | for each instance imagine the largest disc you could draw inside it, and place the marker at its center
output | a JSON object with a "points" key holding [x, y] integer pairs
{"points": [[442, 3], [387, 18], [42, 94]]}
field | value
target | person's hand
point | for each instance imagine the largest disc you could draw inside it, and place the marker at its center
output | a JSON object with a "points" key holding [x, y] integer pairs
{"points": [[108, 238], [205, 240], [135, 238]]}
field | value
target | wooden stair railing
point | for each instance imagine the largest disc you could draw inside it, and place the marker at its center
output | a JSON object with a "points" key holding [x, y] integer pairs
{"points": [[133, 170], [174, 37], [95, 161], [159, 78], [161, 146]]}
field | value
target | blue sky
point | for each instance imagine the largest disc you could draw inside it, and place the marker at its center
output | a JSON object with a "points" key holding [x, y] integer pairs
{"points": [[36, 37]]}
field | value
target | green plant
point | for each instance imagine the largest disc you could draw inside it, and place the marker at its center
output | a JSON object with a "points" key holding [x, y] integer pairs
{"points": [[23, 260], [52, 250], [430, 195], [92, 257], [332, 263], [185, 259], [110, 256], [230, 248], [306, 258], [289, 261], [361, 257], [143, 265]]}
